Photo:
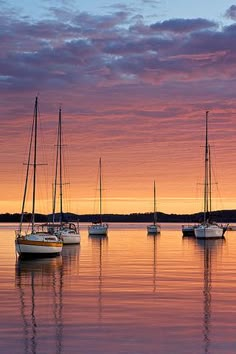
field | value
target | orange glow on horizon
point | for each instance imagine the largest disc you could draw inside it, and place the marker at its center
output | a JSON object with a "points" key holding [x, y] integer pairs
{"points": [[122, 206], [128, 174]]}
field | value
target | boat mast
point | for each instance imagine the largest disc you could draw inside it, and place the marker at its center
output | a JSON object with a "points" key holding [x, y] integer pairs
{"points": [[60, 163], [27, 174], [35, 161], [56, 173], [154, 213], [100, 188], [206, 182]]}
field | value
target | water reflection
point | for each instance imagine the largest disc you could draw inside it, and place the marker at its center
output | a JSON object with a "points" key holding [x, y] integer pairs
{"points": [[40, 285], [210, 249], [154, 240], [98, 244], [70, 258]]}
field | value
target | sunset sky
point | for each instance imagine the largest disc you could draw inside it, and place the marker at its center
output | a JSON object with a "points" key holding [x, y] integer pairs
{"points": [[134, 81]]}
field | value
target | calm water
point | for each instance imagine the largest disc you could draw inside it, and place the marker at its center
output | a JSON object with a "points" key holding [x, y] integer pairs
{"points": [[129, 293]]}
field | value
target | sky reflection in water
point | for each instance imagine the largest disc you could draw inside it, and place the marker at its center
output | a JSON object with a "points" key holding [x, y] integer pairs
{"points": [[127, 293]]}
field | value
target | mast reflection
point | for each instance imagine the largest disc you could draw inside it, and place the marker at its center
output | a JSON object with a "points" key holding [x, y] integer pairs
{"points": [[98, 243], [33, 276], [40, 285], [154, 239], [210, 248]]}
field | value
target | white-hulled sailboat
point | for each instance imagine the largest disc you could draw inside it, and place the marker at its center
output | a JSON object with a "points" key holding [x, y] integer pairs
{"points": [[67, 232], [154, 228], [208, 229], [99, 228], [38, 242]]}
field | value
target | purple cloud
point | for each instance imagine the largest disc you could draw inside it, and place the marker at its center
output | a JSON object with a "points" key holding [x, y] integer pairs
{"points": [[183, 25], [231, 12], [106, 51]]}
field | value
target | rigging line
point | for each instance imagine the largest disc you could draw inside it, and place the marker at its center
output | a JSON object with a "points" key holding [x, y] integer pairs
{"points": [[26, 177], [43, 186], [55, 179], [96, 195], [64, 169], [218, 189], [215, 180]]}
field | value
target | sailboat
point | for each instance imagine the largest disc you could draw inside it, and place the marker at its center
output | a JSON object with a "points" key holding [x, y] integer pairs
{"points": [[208, 228], [99, 228], [154, 228], [37, 242], [67, 232]]}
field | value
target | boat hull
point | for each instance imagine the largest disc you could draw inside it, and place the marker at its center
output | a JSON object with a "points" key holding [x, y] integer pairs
{"points": [[38, 246], [98, 229], [69, 239], [153, 229], [188, 230], [67, 233], [209, 231], [231, 228]]}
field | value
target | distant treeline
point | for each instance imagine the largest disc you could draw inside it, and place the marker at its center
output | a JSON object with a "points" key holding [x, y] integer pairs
{"points": [[218, 216]]}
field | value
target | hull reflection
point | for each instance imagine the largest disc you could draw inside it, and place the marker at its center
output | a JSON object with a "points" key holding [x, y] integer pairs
{"points": [[154, 239], [98, 243], [210, 249], [40, 283], [31, 277]]}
